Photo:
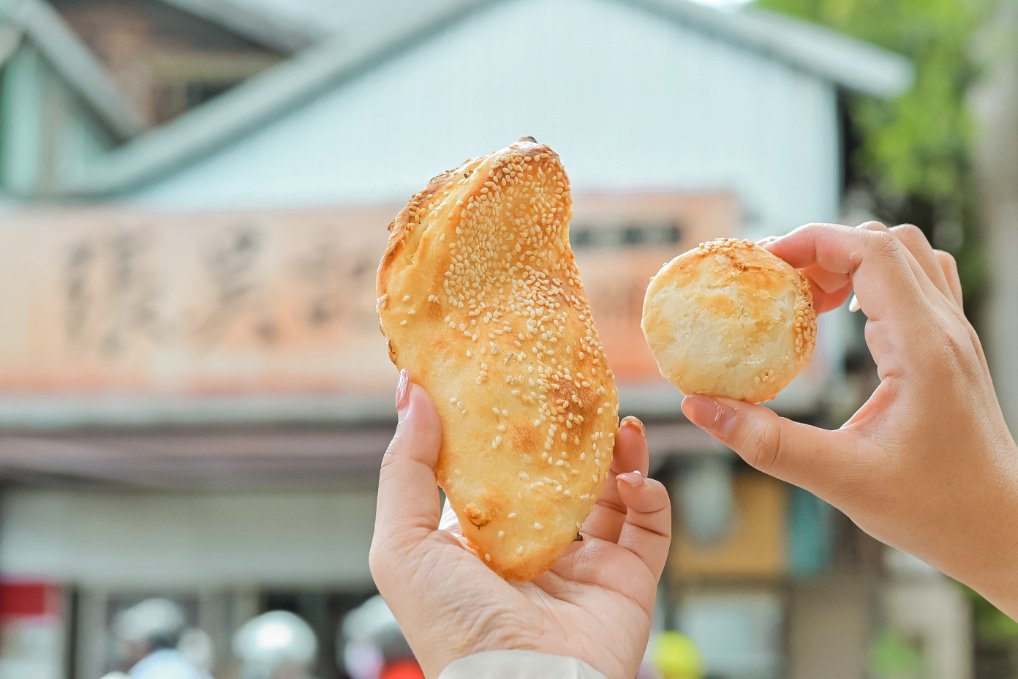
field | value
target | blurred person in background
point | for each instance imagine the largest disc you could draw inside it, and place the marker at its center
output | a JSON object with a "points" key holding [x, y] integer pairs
{"points": [[275, 645], [371, 645], [196, 645], [149, 633]]}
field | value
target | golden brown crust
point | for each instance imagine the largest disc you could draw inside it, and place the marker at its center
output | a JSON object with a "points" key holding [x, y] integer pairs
{"points": [[480, 299], [728, 318]]}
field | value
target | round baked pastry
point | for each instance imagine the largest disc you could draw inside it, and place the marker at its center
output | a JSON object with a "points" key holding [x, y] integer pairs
{"points": [[729, 319]]}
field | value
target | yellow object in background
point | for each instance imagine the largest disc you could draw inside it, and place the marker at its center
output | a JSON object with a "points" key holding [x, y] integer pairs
{"points": [[675, 657]]}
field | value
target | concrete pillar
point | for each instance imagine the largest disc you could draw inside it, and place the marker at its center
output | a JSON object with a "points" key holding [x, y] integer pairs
{"points": [[995, 108], [829, 627]]}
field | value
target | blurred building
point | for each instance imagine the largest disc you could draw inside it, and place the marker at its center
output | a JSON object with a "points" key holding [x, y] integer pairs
{"points": [[195, 393]]}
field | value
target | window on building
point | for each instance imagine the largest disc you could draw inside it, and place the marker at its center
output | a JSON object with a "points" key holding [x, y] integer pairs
{"points": [[625, 234]]}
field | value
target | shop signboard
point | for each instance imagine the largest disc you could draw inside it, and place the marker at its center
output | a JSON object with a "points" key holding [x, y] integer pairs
{"points": [[149, 304]]}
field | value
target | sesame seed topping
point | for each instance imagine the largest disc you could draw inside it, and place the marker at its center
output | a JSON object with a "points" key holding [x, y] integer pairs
{"points": [[509, 285]]}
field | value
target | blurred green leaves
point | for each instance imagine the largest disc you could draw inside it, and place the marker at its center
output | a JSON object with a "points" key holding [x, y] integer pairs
{"points": [[894, 656], [913, 151], [917, 143], [990, 624]]}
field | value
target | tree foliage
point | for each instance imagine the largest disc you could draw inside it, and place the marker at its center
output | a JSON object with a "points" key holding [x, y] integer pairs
{"points": [[913, 151]]}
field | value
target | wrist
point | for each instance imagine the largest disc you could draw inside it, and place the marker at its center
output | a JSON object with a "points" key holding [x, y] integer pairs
{"points": [[993, 572], [519, 665], [446, 647]]}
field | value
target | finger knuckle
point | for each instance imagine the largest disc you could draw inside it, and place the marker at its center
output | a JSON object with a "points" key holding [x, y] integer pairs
{"points": [[378, 562], [977, 344], [819, 229], [973, 336], [947, 259], [911, 234], [390, 460], [881, 243], [764, 445], [957, 356], [661, 503]]}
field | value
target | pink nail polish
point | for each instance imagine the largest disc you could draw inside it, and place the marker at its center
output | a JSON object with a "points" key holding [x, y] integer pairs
{"points": [[402, 391], [633, 478], [635, 423]]}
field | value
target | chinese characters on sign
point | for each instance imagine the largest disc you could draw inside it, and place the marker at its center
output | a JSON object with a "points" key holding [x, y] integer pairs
{"points": [[110, 296], [170, 303], [112, 290]]}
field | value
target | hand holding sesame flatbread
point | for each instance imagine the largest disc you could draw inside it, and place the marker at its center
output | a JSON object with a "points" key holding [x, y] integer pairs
{"points": [[596, 601], [481, 301]]}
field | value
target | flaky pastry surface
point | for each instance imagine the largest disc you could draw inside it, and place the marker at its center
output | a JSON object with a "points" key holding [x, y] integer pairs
{"points": [[480, 299], [728, 318]]}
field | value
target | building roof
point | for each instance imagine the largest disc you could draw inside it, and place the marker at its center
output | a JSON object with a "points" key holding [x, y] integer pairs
{"points": [[366, 39], [847, 62], [256, 24], [269, 94], [39, 23], [10, 36]]}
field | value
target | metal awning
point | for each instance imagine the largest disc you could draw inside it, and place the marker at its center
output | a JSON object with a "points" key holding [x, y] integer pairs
{"points": [[205, 458]]}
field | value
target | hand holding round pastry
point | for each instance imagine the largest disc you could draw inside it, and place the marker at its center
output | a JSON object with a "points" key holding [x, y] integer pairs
{"points": [[927, 463]]}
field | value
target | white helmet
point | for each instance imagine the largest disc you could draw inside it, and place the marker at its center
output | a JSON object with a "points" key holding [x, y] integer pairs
{"points": [[157, 623], [275, 643], [370, 637]]}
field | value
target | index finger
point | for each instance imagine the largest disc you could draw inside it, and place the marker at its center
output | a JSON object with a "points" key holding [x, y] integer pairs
{"points": [[609, 513], [881, 275]]}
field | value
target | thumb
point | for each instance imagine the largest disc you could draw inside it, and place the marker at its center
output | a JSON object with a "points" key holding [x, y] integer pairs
{"points": [[818, 460], [407, 492]]}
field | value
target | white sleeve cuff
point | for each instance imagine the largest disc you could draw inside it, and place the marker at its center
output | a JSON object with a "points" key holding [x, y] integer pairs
{"points": [[519, 665]]}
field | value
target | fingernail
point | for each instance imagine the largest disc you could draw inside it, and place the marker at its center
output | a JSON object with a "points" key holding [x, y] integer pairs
{"points": [[706, 413], [635, 423], [633, 478], [764, 242], [853, 305], [402, 392]]}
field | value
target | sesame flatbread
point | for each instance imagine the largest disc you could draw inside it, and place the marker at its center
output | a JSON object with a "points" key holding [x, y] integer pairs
{"points": [[481, 301]]}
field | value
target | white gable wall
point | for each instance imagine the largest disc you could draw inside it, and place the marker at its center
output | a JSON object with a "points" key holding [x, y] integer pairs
{"points": [[628, 98]]}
